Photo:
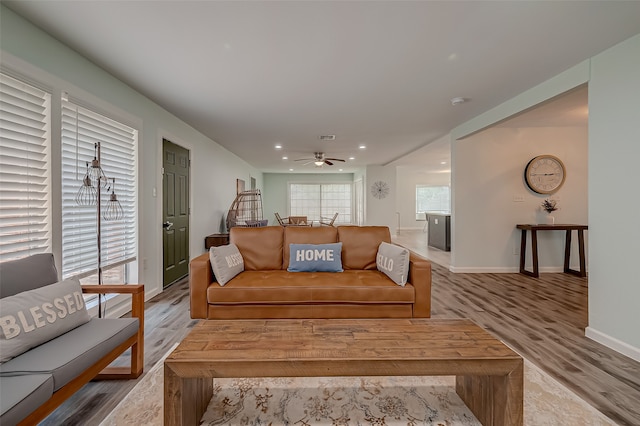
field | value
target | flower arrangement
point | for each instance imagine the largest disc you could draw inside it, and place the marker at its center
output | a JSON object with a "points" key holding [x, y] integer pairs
{"points": [[549, 205]]}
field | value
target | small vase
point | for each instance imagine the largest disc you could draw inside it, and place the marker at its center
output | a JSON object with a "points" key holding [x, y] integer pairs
{"points": [[551, 220]]}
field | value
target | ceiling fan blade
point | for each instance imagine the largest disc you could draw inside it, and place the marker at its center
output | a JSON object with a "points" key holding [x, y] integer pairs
{"points": [[304, 159], [308, 162], [328, 162], [335, 159]]}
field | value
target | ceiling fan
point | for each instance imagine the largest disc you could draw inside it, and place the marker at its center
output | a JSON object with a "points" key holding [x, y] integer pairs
{"points": [[319, 160]]}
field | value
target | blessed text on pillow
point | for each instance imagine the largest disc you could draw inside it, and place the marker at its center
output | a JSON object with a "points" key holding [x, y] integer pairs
{"points": [[226, 262], [315, 257], [33, 317]]}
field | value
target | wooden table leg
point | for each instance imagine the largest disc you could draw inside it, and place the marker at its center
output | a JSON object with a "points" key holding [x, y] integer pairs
{"points": [[185, 398], [567, 254], [523, 250], [583, 261], [567, 251], [534, 253], [494, 400]]}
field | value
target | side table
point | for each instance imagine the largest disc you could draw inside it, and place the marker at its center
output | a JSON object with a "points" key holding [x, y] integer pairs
{"points": [[567, 247], [216, 240]]}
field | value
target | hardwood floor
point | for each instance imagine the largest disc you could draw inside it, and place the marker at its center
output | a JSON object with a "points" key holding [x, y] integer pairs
{"points": [[541, 318]]}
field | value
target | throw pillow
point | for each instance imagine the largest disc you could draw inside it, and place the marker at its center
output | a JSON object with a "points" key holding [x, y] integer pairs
{"points": [[226, 262], [393, 261], [33, 317], [315, 257]]}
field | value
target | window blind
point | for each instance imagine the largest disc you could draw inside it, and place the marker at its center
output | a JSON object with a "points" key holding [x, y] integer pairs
{"points": [[25, 135], [316, 200], [81, 129]]}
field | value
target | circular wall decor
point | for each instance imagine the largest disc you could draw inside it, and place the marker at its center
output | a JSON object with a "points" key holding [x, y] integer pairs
{"points": [[380, 189], [545, 174]]}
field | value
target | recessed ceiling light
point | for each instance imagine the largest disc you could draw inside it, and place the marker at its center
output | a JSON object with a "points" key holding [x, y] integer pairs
{"points": [[290, 170], [443, 162], [285, 158], [339, 170], [362, 147], [278, 146], [352, 158]]}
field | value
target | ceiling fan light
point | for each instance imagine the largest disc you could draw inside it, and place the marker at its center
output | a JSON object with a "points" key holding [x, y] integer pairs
{"points": [[318, 163]]}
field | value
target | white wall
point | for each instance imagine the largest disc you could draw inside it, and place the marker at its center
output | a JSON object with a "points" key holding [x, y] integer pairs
{"points": [[30, 52], [276, 186], [381, 212], [614, 204], [489, 170]]}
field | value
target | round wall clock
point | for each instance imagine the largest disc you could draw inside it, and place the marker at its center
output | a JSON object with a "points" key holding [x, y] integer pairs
{"points": [[380, 189], [545, 174]]}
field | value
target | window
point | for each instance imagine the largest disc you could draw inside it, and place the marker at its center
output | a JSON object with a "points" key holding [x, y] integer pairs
{"points": [[81, 129], [432, 199], [321, 199], [25, 175]]}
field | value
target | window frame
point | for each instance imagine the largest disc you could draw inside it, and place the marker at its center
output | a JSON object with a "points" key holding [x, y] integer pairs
{"points": [[421, 213], [343, 217]]}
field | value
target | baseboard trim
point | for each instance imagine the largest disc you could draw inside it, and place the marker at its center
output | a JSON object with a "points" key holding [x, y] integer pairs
{"points": [[613, 343]]}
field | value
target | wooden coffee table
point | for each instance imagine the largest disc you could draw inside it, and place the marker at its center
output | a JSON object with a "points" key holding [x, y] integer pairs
{"points": [[489, 375]]}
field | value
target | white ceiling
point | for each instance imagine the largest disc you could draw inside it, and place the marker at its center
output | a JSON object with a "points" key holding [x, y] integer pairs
{"points": [[253, 74]]}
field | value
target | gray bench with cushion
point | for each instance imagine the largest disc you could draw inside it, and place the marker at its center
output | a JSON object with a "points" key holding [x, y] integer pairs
{"points": [[37, 380]]}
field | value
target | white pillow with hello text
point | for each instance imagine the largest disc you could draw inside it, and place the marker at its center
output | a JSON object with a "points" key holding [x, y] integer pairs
{"points": [[393, 261]]}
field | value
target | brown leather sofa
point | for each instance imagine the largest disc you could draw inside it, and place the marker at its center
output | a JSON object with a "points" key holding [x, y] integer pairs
{"points": [[267, 290]]}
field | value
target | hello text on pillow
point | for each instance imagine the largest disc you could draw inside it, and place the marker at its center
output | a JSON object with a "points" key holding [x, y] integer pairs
{"points": [[393, 261], [315, 257]]}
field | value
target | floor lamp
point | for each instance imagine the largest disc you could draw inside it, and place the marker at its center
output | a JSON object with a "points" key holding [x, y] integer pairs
{"points": [[90, 194]]}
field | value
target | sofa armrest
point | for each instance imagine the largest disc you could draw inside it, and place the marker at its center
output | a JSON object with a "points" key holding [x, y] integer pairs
{"points": [[420, 278], [200, 277], [137, 311], [135, 290]]}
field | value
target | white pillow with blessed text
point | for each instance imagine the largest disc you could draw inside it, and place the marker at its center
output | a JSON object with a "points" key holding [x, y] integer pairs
{"points": [[226, 262], [33, 317]]}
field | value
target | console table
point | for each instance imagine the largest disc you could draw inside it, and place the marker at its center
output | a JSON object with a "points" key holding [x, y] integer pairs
{"points": [[216, 240], [567, 247]]}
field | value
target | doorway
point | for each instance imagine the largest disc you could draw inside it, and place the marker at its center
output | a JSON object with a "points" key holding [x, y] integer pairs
{"points": [[175, 212]]}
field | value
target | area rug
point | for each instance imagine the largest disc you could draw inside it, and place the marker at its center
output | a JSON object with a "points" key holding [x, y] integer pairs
{"points": [[342, 401]]}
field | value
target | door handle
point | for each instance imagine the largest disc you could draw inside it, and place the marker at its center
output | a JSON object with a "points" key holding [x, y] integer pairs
{"points": [[167, 225]]}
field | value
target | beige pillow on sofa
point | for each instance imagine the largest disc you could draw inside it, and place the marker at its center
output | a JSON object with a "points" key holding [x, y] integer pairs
{"points": [[33, 317], [393, 261], [226, 262]]}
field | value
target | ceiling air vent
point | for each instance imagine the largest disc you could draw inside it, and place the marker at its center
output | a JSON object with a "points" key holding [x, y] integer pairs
{"points": [[327, 137]]}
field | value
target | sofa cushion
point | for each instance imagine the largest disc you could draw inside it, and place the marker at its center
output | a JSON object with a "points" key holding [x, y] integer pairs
{"points": [[33, 317], [74, 351], [307, 235], [261, 248], [28, 273], [360, 245], [282, 287], [21, 395], [315, 257], [394, 262], [226, 262]]}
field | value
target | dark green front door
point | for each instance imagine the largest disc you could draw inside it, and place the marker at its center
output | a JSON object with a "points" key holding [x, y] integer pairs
{"points": [[175, 211]]}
